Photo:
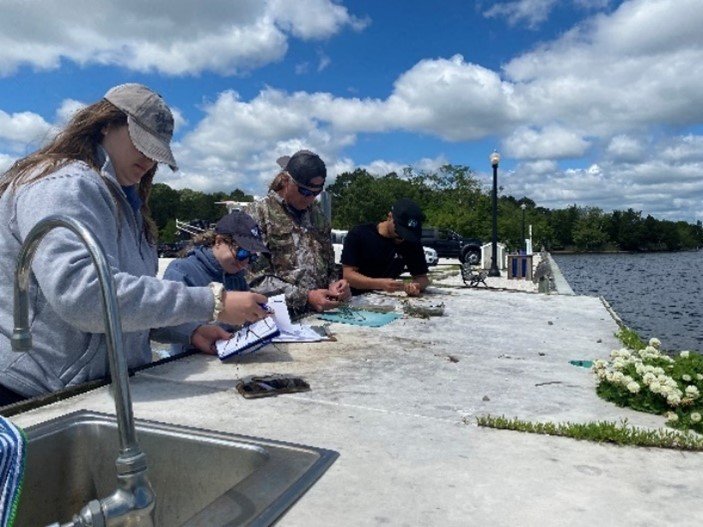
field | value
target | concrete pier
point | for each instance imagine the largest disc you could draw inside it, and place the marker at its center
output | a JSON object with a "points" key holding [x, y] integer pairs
{"points": [[399, 404]]}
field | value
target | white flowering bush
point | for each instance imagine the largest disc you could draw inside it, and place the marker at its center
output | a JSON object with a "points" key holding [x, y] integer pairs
{"points": [[647, 380]]}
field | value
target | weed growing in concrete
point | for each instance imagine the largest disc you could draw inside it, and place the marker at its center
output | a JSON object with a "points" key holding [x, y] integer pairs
{"points": [[649, 381], [600, 432]]}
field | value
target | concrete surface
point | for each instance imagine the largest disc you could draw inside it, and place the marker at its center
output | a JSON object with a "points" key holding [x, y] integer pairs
{"points": [[398, 403]]}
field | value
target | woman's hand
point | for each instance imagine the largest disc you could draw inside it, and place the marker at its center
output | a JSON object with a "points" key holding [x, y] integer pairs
{"points": [[205, 336], [241, 307]]}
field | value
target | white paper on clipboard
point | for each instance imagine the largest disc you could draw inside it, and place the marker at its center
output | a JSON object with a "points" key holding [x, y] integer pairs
{"points": [[290, 332]]}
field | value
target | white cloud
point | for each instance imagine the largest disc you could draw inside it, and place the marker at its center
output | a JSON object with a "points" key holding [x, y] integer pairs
{"points": [[67, 109], [602, 90], [551, 142], [666, 182], [313, 19], [323, 61], [624, 148], [685, 149], [5, 162], [237, 142], [381, 167], [176, 37], [642, 64], [532, 12], [538, 168], [23, 128], [555, 101]]}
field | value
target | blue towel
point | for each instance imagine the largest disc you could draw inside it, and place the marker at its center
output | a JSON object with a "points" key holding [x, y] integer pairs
{"points": [[359, 317], [12, 455]]}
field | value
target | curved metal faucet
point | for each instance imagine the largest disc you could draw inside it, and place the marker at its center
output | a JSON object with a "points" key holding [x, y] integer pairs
{"points": [[133, 501]]}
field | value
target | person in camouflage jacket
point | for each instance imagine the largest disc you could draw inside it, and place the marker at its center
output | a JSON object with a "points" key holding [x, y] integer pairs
{"points": [[298, 236]]}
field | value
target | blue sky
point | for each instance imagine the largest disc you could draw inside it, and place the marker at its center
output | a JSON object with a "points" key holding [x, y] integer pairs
{"points": [[593, 102]]}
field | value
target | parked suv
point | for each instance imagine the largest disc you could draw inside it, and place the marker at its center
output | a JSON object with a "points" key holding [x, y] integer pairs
{"points": [[449, 244]]}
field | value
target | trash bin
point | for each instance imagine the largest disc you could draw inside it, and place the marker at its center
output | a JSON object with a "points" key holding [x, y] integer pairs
{"points": [[520, 266]]}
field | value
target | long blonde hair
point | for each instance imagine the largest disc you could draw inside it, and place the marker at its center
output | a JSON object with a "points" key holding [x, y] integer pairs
{"points": [[78, 141], [279, 181]]}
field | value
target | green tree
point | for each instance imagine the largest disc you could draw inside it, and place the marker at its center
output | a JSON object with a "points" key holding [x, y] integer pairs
{"points": [[163, 202], [169, 234], [240, 195], [629, 232], [589, 231], [562, 223]]}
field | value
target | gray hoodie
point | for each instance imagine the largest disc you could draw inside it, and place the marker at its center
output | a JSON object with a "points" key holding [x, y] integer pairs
{"points": [[69, 345]]}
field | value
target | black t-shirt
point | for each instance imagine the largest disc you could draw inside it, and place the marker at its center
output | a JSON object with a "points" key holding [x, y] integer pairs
{"points": [[379, 257]]}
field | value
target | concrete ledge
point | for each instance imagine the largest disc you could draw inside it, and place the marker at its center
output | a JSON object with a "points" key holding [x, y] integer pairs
{"points": [[560, 283]]}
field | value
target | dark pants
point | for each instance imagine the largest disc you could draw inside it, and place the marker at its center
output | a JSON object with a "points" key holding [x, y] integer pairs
{"points": [[7, 396]]}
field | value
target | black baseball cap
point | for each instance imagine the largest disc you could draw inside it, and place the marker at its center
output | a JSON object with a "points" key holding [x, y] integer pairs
{"points": [[408, 219], [243, 230], [304, 166]]}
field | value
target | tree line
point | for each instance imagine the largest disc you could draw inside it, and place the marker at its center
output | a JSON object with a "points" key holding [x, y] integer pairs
{"points": [[452, 197]]}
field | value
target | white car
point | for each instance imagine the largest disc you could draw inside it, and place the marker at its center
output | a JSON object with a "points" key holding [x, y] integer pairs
{"points": [[430, 255], [337, 244]]}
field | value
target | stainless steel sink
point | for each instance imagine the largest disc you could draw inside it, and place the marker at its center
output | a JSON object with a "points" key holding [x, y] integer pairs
{"points": [[200, 477]]}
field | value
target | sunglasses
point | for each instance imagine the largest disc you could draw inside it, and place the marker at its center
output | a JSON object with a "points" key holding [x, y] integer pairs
{"points": [[304, 191], [242, 254]]}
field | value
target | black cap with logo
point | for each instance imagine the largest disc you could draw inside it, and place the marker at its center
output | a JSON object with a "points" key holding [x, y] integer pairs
{"points": [[304, 166], [407, 218], [243, 230]]}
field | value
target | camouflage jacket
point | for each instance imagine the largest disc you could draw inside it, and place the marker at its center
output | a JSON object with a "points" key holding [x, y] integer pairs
{"points": [[302, 257]]}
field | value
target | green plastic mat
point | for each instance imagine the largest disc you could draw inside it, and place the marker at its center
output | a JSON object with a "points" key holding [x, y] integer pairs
{"points": [[582, 363], [360, 317]]}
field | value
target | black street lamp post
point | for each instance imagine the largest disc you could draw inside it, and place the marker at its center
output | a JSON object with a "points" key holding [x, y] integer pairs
{"points": [[523, 243], [493, 271]]}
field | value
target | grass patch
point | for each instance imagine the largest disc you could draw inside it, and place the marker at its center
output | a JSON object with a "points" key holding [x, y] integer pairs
{"points": [[630, 339], [620, 433]]}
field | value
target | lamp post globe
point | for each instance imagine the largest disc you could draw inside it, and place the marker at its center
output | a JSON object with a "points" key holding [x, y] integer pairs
{"points": [[494, 271]]}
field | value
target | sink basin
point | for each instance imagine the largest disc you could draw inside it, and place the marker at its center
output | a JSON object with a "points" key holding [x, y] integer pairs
{"points": [[200, 477]]}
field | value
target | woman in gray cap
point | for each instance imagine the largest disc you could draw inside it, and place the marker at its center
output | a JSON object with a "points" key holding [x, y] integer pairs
{"points": [[99, 171], [298, 236]]}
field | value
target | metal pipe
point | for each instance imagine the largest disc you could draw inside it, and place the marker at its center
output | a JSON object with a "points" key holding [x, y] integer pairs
{"points": [[131, 461]]}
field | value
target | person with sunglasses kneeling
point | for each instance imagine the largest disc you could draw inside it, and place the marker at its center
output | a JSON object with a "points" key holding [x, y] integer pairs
{"points": [[298, 236], [220, 255]]}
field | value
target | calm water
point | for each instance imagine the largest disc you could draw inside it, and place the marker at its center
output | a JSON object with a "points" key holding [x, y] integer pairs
{"points": [[657, 294]]}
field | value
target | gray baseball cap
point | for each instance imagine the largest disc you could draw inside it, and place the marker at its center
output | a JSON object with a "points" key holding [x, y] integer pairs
{"points": [[149, 120]]}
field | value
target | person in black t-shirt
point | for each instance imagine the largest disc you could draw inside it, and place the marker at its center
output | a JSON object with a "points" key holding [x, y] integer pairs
{"points": [[376, 254]]}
